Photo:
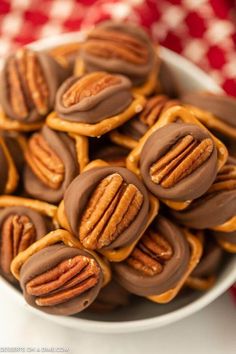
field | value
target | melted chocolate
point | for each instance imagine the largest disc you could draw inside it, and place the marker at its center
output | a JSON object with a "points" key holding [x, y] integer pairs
{"points": [[47, 259], [65, 149], [54, 75], [223, 107], [143, 285], [159, 143], [93, 109], [41, 224], [137, 73], [209, 211], [80, 190]]}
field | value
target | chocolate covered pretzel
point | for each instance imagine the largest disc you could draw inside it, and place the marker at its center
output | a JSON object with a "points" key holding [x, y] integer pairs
{"points": [[179, 162], [57, 276], [52, 164], [158, 263], [217, 208], [60, 280], [22, 222], [220, 108], [124, 49], [94, 104], [106, 208], [29, 83]]}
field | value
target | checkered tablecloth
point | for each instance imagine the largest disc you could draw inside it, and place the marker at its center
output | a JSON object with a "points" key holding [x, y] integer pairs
{"points": [[204, 31]]}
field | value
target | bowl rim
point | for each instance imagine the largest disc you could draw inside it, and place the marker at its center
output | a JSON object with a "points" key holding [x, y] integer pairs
{"points": [[95, 326]]}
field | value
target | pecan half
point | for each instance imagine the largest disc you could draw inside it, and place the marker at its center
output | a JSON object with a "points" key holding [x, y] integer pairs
{"points": [[65, 281], [111, 209], [87, 86], [154, 107], [109, 44], [17, 234], [225, 180], [44, 162], [151, 253], [27, 85], [180, 161]]}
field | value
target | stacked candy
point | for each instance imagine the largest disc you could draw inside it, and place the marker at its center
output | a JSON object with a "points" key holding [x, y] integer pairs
{"points": [[111, 182]]}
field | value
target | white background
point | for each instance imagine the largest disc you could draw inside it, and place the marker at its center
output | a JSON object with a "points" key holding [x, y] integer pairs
{"points": [[210, 331]]}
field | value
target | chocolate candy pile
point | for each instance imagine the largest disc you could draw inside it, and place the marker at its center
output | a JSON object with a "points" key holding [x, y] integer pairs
{"points": [[112, 181]]}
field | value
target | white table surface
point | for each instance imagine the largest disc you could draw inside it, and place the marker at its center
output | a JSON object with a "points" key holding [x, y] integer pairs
{"points": [[210, 331]]}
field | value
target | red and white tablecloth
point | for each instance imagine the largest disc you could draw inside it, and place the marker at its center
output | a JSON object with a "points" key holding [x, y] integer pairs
{"points": [[204, 31]]}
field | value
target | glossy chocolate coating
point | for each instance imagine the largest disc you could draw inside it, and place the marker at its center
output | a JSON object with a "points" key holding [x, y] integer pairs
{"points": [[54, 75], [210, 261], [64, 147], [47, 259], [222, 106], [208, 211], [93, 109], [42, 226], [137, 73], [190, 187], [78, 193], [140, 284]]}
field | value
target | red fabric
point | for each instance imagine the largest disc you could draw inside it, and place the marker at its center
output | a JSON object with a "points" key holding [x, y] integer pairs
{"points": [[201, 30]]}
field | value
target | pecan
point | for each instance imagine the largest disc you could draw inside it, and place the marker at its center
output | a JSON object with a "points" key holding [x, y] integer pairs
{"points": [[44, 162], [154, 107], [150, 255], [17, 234], [65, 281], [225, 180], [89, 85], [109, 44], [180, 161], [27, 84], [111, 209]]}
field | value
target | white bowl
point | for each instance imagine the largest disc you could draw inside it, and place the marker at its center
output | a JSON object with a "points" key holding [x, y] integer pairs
{"points": [[142, 314]]}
